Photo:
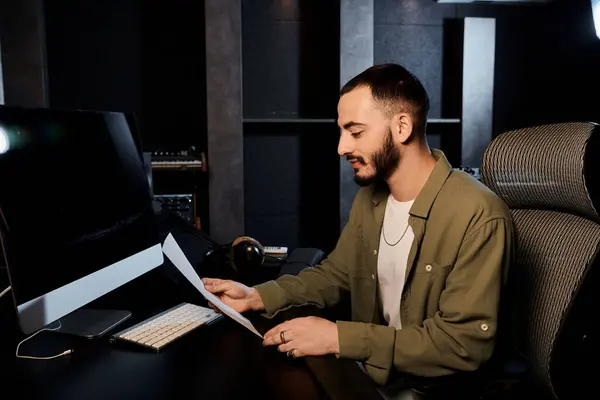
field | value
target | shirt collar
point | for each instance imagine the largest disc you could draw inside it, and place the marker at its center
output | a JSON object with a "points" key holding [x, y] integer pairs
{"points": [[424, 201]]}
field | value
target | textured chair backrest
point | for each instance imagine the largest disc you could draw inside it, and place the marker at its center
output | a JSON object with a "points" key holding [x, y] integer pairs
{"points": [[549, 177]]}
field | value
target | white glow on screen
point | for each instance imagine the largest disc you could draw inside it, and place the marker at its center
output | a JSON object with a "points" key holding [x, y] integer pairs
{"points": [[4, 145]]}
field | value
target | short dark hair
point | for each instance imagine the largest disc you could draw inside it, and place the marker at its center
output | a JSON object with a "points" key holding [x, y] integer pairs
{"points": [[397, 89]]}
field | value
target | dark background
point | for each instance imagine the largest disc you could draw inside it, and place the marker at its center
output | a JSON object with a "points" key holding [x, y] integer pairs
{"points": [[148, 58]]}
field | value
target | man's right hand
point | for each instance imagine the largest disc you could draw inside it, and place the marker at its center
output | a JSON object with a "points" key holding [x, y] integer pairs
{"points": [[236, 295]]}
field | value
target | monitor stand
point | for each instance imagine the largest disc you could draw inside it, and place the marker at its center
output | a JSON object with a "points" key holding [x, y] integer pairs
{"points": [[92, 323]]}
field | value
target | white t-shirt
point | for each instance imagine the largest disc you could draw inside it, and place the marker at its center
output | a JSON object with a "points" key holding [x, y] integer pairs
{"points": [[394, 245]]}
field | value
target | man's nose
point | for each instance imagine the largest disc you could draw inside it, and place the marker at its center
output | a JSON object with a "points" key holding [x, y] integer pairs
{"points": [[344, 145]]}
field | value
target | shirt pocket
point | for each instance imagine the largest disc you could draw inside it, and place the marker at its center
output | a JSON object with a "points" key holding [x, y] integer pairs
{"points": [[425, 289]]}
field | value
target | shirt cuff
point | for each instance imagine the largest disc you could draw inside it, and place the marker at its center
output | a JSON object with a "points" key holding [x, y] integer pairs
{"points": [[353, 340], [272, 296]]}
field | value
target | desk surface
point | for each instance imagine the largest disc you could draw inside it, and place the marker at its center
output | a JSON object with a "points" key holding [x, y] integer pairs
{"points": [[223, 360], [220, 361]]}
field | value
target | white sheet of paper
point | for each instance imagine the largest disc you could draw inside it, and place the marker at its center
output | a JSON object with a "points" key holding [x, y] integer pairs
{"points": [[180, 261]]}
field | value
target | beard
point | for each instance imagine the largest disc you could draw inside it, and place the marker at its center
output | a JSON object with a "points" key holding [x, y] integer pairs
{"points": [[384, 161]]}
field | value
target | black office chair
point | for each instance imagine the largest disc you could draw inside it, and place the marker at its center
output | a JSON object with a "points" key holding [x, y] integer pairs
{"points": [[550, 178]]}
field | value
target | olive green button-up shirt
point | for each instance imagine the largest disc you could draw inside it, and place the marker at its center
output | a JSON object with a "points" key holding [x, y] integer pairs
{"points": [[463, 236]]}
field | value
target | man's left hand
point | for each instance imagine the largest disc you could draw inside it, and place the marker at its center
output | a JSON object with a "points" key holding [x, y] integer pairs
{"points": [[308, 336]]}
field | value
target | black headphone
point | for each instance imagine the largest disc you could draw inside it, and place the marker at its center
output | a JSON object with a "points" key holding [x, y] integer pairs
{"points": [[239, 257], [242, 255]]}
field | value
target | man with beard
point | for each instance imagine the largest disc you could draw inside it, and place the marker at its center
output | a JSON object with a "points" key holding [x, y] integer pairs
{"points": [[424, 253]]}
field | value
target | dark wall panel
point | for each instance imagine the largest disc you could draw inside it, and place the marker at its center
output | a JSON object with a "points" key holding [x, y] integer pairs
{"points": [[291, 188], [290, 58], [412, 12], [23, 53], [142, 57], [272, 206], [547, 67], [173, 75], [93, 54], [272, 69], [290, 64], [423, 57]]}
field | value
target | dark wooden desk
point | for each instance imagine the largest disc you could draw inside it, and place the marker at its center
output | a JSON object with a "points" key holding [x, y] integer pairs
{"points": [[220, 361], [223, 361]]}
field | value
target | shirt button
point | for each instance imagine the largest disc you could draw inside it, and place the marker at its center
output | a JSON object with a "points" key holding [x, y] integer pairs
{"points": [[484, 327], [373, 276], [428, 268], [375, 251]]}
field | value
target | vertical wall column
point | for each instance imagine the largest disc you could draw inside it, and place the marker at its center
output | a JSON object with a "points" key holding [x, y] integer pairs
{"points": [[479, 50], [469, 58], [23, 53], [356, 55], [224, 118]]}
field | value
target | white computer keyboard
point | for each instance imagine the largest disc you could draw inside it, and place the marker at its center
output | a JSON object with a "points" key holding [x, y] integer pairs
{"points": [[158, 331]]}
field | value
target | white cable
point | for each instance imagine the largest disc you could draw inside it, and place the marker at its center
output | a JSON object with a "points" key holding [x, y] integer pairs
{"points": [[2, 293], [64, 353]]}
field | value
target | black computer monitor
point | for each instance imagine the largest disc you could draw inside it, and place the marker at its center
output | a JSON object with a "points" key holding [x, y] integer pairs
{"points": [[133, 124], [78, 217]]}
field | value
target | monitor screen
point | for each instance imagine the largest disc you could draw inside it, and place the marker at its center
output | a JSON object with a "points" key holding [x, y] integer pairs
{"points": [[75, 200]]}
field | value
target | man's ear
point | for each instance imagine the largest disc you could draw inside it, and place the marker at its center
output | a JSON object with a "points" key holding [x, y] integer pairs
{"points": [[402, 127]]}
